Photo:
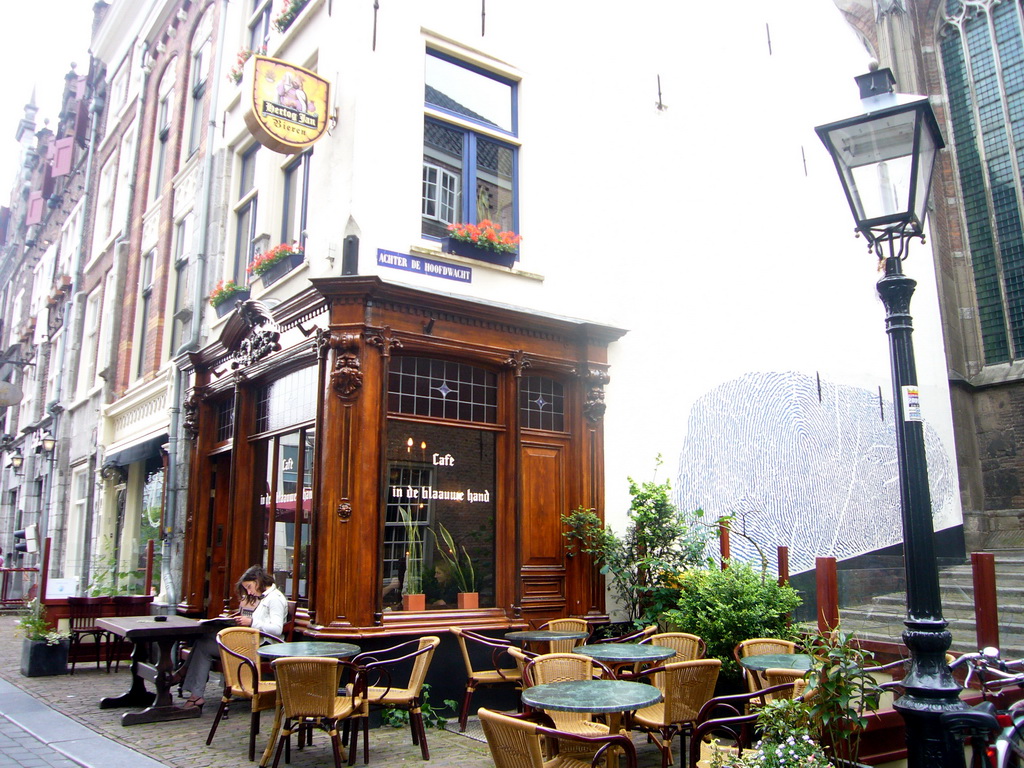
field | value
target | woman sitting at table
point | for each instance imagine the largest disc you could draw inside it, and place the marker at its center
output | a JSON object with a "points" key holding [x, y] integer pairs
{"points": [[262, 606]]}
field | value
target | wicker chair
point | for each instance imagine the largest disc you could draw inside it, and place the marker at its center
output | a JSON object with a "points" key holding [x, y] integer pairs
{"points": [[494, 675], [640, 636], [566, 625], [522, 658], [308, 691], [514, 742], [759, 646], [687, 647], [380, 692], [730, 716], [240, 665], [686, 687], [780, 676], [84, 611], [558, 668]]}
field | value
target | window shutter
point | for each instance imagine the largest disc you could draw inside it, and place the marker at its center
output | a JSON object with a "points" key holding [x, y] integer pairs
{"points": [[82, 123], [34, 213], [48, 182], [63, 156]]}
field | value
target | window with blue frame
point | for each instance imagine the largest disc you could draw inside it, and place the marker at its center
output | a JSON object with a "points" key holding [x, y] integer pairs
{"points": [[470, 149]]}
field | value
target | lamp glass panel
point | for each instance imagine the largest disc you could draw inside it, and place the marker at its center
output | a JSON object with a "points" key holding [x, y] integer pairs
{"points": [[926, 165], [876, 159]]}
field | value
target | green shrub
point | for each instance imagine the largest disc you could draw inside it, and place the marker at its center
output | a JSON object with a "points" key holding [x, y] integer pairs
{"points": [[725, 607], [658, 541]]}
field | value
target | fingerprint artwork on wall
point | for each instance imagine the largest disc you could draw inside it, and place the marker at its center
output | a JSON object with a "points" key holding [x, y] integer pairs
{"points": [[803, 463]]}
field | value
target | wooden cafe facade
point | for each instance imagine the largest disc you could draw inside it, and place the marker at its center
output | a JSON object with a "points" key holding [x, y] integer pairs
{"points": [[347, 437]]}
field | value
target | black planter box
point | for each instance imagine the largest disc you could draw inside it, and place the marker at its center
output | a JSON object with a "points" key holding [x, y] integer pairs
{"points": [[280, 269], [40, 660], [470, 251], [226, 306]]}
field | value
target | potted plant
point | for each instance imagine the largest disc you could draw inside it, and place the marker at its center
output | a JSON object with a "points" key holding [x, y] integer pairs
{"points": [[657, 543], [840, 692], [485, 241], [235, 74], [225, 294], [289, 11], [44, 651], [460, 566], [787, 740], [413, 597], [270, 266], [727, 606]]}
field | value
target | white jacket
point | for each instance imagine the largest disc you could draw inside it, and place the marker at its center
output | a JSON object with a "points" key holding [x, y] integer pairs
{"points": [[271, 613]]}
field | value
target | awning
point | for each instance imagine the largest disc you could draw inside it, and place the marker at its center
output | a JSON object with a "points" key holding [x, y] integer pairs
{"points": [[139, 451]]}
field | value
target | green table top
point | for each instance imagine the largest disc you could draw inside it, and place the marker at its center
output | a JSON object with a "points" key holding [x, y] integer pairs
{"points": [[777, 661], [594, 696], [543, 635], [625, 653], [308, 648]]}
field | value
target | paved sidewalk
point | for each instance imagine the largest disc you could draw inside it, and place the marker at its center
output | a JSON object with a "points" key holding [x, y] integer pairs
{"points": [[56, 721]]}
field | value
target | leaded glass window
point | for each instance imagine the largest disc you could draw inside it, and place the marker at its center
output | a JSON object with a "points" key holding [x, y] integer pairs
{"points": [[442, 389], [542, 404], [982, 56]]}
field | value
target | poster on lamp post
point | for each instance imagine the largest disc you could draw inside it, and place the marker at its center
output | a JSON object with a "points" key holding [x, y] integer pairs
{"points": [[288, 110]]}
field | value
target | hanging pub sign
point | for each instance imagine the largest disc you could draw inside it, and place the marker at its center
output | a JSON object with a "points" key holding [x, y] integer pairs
{"points": [[289, 104]]}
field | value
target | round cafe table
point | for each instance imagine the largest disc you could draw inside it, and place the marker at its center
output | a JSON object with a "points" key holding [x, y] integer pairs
{"points": [[618, 655], [543, 635], [308, 648], [765, 661], [608, 697]]}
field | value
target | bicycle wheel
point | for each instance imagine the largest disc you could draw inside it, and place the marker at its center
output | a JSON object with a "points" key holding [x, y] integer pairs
{"points": [[1013, 754]]}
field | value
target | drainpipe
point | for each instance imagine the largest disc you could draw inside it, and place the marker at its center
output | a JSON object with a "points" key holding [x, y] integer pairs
{"points": [[171, 577]]}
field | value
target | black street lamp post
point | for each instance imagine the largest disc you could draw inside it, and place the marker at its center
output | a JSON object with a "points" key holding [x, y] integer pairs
{"points": [[885, 157]]}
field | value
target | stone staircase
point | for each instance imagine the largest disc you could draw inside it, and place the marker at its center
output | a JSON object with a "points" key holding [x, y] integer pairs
{"points": [[882, 617]]}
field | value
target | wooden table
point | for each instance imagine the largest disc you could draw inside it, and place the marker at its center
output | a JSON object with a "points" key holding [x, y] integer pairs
{"points": [[609, 697], [145, 632], [300, 648]]}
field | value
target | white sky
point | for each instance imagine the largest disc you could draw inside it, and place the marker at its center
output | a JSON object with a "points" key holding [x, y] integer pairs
{"points": [[39, 39]]}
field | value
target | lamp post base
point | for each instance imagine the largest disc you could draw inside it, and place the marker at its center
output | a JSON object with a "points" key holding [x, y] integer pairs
{"points": [[930, 692]]}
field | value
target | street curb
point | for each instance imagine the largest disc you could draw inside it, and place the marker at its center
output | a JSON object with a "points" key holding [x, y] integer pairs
{"points": [[62, 734]]}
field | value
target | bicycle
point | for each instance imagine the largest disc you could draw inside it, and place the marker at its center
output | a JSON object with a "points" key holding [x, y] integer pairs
{"points": [[996, 737]]}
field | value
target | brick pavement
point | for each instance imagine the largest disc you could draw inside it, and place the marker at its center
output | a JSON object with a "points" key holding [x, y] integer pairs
{"points": [[182, 744]]}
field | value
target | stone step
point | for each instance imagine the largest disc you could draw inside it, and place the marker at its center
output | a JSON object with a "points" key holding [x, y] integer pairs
{"points": [[882, 617]]}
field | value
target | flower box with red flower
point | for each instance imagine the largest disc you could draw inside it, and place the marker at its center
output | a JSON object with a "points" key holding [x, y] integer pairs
{"points": [[270, 266], [225, 295], [485, 241]]}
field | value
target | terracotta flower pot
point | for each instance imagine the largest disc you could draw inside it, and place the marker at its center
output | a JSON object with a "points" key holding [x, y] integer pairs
{"points": [[416, 602], [469, 600]]}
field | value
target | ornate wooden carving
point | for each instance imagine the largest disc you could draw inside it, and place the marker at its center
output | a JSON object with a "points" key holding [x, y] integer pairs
{"points": [[344, 511], [263, 338], [517, 362], [594, 405], [385, 341], [347, 376], [190, 420]]}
